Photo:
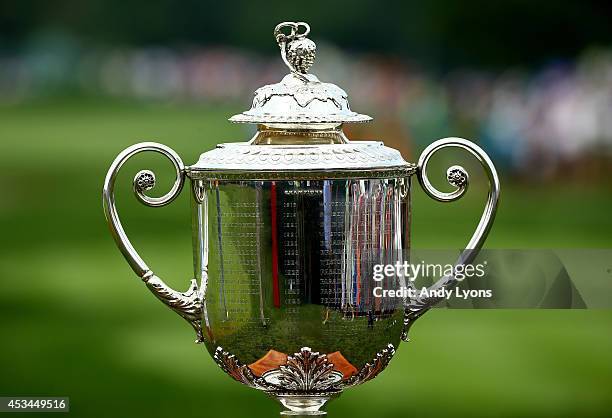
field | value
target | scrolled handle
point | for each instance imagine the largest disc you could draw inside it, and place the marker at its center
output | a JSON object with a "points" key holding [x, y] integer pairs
{"points": [[458, 177], [187, 304]]}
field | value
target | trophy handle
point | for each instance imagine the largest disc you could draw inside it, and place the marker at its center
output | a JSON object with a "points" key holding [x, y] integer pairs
{"points": [[458, 177], [187, 304]]}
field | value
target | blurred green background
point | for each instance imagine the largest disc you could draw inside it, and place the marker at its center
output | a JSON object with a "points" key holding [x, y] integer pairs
{"points": [[80, 81]]}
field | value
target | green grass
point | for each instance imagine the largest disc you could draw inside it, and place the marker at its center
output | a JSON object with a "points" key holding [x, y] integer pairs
{"points": [[76, 322]]}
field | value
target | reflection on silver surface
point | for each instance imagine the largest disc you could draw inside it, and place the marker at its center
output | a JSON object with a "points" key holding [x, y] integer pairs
{"points": [[297, 258]]}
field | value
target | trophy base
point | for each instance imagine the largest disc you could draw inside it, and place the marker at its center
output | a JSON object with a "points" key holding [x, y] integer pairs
{"points": [[304, 405]]}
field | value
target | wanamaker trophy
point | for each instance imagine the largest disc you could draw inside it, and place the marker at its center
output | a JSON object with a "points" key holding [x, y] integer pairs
{"points": [[286, 228]]}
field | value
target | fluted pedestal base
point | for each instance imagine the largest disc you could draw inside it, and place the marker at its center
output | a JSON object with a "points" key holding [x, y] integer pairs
{"points": [[302, 414], [295, 406]]}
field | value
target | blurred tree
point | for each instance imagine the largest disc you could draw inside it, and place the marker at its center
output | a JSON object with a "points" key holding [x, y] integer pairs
{"points": [[441, 33]]}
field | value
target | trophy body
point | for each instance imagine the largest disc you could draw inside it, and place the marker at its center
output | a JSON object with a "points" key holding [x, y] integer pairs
{"points": [[288, 266], [287, 257], [287, 229]]}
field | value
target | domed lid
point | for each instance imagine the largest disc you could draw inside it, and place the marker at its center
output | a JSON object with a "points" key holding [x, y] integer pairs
{"points": [[300, 98], [299, 136]]}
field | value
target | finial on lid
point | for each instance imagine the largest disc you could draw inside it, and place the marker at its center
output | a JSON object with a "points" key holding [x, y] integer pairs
{"points": [[297, 51], [300, 98]]}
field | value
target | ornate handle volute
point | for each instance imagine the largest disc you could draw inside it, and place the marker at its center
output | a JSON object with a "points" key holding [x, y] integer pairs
{"points": [[187, 304], [458, 177]]}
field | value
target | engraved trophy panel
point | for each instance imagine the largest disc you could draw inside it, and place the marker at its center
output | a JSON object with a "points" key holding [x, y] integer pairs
{"points": [[290, 265]]}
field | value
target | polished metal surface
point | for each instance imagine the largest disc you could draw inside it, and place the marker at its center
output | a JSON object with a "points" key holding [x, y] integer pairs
{"points": [[287, 229], [289, 308], [187, 304], [456, 176], [289, 265], [244, 160], [305, 372]]}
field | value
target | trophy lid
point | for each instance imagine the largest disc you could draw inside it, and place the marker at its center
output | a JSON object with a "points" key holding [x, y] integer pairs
{"points": [[299, 135], [355, 159], [300, 98]]}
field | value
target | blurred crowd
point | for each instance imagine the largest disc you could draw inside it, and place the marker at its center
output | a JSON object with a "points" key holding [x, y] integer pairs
{"points": [[547, 122]]}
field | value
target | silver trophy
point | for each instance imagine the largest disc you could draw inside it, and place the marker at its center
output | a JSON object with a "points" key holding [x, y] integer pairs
{"points": [[286, 229]]}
